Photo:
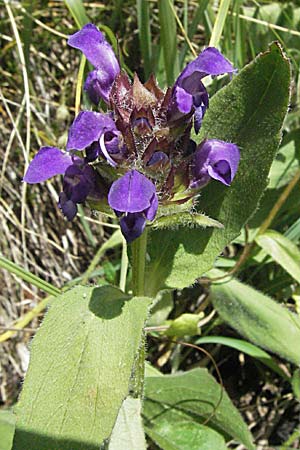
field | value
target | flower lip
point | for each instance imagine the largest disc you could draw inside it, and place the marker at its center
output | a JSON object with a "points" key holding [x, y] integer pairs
{"points": [[48, 162], [189, 94], [215, 159], [209, 62], [131, 193], [94, 46]]}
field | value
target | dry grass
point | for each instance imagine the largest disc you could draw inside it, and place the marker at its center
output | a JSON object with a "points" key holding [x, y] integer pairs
{"points": [[33, 233]]}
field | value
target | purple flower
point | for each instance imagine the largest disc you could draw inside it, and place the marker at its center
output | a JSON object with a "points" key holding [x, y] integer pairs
{"points": [[100, 54], [133, 198], [215, 159], [80, 180], [147, 129], [97, 134], [189, 95]]}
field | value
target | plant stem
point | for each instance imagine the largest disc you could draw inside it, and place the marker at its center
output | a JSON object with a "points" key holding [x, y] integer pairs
{"points": [[124, 267], [139, 247]]}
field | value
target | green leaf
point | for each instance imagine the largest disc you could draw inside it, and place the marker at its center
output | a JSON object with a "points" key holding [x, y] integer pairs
{"points": [[250, 112], [128, 431], [258, 318], [244, 347], [196, 394], [185, 219], [7, 428], [282, 250], [284, 166], [174, 430], [80, 367]]}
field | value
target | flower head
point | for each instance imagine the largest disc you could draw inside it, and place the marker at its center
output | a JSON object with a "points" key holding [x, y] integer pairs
{"points": [[140, 152]]}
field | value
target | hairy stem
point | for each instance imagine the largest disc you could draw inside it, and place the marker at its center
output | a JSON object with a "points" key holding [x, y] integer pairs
{"points": [[139, 247]]}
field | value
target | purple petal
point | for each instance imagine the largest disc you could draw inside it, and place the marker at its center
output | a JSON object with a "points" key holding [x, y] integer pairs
{"points": [[131, 193], [98, 85], [216, 159], [94, 46], [92, 152], [132, 226], [68, 207], [87, 128], [157, 160], [150, 213], [189, 84], [93, 87], [198, 116], [47, 163], [79, 181], [99, 53], [209, 62], [181, 100]]}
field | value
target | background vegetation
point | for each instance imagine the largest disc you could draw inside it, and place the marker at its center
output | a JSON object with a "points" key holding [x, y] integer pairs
{"points": [[42, 254]]}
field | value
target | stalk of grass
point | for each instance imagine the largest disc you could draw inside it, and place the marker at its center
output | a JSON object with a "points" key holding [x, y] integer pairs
{"points": [[28, 276], [143, 18], [116, 16], [219, 23], [22, 322], [115, 240], [26, 34], [191, 30], [240, 54], [77, 11], [168, 39]]}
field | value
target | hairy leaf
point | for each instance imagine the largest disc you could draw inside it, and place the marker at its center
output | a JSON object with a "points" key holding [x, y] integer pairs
{"points": [[196, 394], [81, 362], [174, 430], [249, 112], [282, 250], [259, 318], [128, 431]]}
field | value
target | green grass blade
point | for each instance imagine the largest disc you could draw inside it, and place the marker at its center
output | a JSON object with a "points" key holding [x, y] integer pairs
{"points": [[77, 10], [28, 276], [247, 348], [219, 23], [26, 34], [198, 18], [115, 240], [168, 39], [143, 17], [116, 17], [86, 226]]}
